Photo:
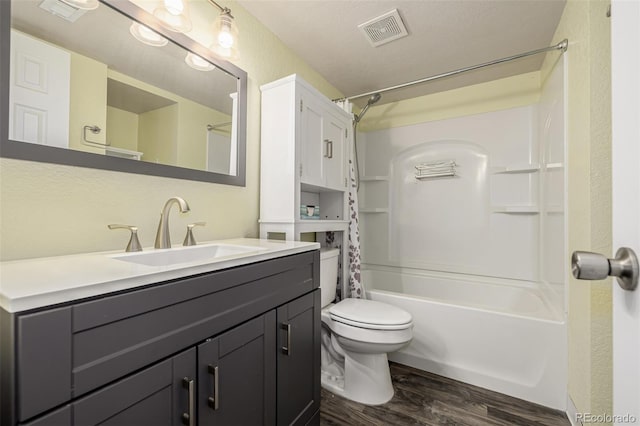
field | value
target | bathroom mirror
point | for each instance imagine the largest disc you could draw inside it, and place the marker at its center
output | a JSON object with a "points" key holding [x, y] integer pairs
{"points": [[85, 91]]}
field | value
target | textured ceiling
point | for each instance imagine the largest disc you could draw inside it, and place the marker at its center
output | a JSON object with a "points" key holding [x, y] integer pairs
{"points": [[443, 35]]}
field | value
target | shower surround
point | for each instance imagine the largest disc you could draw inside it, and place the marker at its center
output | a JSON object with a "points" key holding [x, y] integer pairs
{"points": [[477, 258]]}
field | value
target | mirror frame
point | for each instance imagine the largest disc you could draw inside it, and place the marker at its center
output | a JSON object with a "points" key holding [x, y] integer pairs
{"points": [[47, 154]]}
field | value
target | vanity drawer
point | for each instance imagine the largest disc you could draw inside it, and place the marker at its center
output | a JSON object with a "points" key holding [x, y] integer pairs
{"points": [[96, 342]]}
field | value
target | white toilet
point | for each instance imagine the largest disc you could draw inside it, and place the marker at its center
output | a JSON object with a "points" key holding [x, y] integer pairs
{"points": [[357, 334]]}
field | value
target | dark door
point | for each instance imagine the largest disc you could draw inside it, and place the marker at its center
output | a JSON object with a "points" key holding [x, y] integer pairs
{"points": [[236, 375], [156, 396], [299, 360]]}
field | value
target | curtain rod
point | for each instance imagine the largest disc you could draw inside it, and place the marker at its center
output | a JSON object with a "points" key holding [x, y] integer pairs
{"points": [[560, 46]]}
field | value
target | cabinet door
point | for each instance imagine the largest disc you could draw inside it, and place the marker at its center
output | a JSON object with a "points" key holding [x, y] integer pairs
{"points": [[299, 360], [334, 159], [156, 396], [236, 375], [311, 143]]}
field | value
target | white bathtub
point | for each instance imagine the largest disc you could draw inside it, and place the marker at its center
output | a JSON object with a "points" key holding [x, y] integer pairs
{"points": [[502, 337]]}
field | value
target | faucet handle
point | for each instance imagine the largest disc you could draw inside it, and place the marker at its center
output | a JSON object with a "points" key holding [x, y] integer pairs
{"points": [[189, 240], [134, 243]]}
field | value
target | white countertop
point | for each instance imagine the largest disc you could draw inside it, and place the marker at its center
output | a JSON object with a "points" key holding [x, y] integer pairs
{"points": [[34, 283]]}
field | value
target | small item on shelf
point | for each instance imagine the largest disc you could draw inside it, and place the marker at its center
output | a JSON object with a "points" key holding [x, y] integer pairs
{"points": [[309, 212]]}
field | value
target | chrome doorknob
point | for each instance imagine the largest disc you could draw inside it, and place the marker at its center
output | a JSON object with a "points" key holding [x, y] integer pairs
{"points": [[594, 266]]}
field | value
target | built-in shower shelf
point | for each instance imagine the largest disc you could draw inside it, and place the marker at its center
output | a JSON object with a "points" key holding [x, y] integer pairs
{"points": [[373, 210], [518, 168], [554, 166], [516, 209], [373, 178]]}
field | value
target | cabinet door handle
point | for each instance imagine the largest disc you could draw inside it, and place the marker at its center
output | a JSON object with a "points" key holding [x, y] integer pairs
{"points": [[214, 401], [326, 148], [330, 149], [190, 417], [287, 349]]}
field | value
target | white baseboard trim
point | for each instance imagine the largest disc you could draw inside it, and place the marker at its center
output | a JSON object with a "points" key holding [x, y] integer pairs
{"points": [[572, 412]]}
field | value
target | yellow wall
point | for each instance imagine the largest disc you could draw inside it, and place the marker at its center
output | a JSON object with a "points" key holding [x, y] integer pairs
{"points": [[51, 210], [122, 128], [87, 101], [510, 92], [188, 149], [157, 134], [589, 158], [192, 133]]}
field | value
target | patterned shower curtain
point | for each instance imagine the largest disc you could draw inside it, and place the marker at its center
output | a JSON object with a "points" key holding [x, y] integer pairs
{"points": [[355, 281]]}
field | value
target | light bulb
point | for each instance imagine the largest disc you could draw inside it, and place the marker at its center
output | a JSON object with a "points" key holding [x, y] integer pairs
{"points": [[174, 15], [197, 63], [225, 38], [146, 35], [175, 7]]}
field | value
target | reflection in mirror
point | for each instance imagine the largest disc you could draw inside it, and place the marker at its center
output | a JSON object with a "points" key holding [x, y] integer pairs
{"points": [[98, 82]]}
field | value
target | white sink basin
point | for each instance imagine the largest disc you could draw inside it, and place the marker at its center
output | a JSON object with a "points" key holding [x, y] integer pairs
{"points": [[211, 252]]}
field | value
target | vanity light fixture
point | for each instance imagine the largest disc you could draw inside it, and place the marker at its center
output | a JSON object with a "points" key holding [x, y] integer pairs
{"points": [[82, 4], [225, 33], [197, 63], [174, 15], [146, 35]]}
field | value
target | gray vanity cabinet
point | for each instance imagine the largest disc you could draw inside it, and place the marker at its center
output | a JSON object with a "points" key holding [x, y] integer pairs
{"points": [[236, 375], [299, 342], [200, 350], [156, 396]]}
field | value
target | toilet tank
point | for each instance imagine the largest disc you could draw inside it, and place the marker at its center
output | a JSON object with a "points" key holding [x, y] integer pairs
{"points": [[328, 274]]}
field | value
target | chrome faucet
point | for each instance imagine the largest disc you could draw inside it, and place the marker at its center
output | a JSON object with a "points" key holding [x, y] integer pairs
{"points": [[163, 239]]}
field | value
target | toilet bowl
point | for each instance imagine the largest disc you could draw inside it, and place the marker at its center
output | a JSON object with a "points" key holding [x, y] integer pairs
{"points": [[357, 334]]}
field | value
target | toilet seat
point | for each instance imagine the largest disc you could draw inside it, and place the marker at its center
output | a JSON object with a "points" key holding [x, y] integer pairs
{"points": [[370, 314]]}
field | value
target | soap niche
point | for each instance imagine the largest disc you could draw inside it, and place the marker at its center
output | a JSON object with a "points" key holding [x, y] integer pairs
{"points": [[321, 205]]}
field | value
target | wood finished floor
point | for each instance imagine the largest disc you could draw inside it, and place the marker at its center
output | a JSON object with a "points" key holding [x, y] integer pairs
{"points": [[423, 398]]}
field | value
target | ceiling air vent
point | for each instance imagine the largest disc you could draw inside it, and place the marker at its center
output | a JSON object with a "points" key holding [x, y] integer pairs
{"points": [[384, 28], [62, 9]]}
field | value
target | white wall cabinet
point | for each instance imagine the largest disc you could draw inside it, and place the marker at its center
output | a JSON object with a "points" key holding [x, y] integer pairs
{"points": [[322, 141], [305, 139]]}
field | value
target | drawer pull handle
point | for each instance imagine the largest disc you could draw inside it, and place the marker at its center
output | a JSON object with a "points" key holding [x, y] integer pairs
{"points": [[287, 349], [189, 418], [214, 401]]}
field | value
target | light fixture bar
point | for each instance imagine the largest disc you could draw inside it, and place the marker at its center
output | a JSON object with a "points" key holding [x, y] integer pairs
{"points": [[222, 9]]}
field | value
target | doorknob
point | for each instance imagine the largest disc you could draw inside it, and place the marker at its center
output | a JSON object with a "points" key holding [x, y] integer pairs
{"points": [[594, 266]]}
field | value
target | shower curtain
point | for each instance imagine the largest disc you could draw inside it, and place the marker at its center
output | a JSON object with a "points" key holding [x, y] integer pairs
{"points": [[355, 281], [356, 288]]}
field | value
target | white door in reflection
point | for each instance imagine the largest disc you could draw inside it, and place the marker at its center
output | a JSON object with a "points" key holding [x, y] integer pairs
{"points": [[39, 93]]}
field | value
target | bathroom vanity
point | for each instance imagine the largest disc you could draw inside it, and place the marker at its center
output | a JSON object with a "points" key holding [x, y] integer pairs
{"points": [[230, 341]]}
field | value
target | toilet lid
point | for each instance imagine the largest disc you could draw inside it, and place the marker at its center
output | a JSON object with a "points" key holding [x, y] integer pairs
{"points": [[370, 314]]}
